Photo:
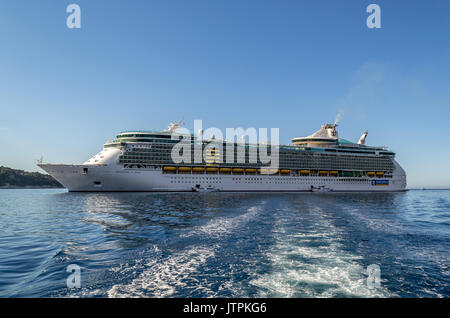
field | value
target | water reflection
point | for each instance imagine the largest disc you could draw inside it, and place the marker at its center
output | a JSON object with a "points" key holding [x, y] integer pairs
{"points": [[151, 217]]}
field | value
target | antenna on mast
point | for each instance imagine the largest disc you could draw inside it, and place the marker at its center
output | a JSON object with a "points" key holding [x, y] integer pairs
{"points": [[174, 126], [362, 140]]}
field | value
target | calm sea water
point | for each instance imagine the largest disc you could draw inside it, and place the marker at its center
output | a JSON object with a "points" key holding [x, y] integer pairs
{"points": [[224, 244]]}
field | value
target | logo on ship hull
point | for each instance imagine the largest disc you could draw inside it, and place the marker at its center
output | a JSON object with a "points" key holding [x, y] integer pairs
{"points": [[380, 182]]}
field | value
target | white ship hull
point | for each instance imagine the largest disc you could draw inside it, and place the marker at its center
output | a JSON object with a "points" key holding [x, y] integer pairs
{"points": [[139, 161], [113, 177]]}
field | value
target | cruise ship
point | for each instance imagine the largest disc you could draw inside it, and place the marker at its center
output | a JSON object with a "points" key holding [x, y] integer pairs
{"points": [[322, 162]]}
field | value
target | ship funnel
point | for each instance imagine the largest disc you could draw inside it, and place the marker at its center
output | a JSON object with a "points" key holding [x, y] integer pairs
{"points": [[362, 140]]}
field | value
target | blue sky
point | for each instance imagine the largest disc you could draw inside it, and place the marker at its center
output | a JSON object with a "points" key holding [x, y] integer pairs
{"points": [[237, 63]]}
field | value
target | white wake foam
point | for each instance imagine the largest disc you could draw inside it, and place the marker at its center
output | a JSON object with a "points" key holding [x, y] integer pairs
{"points": [[223, 226], [163, 277], [321, 270]]}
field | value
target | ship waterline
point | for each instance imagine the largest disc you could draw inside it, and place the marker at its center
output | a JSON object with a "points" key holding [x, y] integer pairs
{"points": [[143, 161]]}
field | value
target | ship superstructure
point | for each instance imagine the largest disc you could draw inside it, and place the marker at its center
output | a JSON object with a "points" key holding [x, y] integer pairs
{"points": [[143, 161]]}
